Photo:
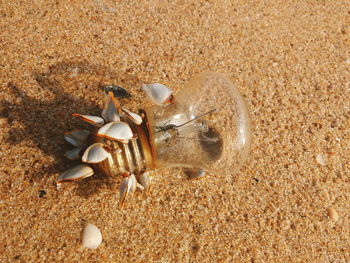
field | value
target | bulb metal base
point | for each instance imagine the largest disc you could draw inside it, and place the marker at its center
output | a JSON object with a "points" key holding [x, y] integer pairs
{"points": [[133, 157]]}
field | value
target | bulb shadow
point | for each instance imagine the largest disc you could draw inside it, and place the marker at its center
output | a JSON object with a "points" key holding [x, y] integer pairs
{"points": [[42, 118]]}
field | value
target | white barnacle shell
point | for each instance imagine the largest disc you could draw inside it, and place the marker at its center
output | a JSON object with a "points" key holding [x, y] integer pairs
{"points": [[145, 180], [72, 141], [118, 131], [133, 183], [77, 137], [91, 237], [76, 173], [110, 112], [94, 120], [135, 118], [95, 153], [128, 186], [158, 93]]}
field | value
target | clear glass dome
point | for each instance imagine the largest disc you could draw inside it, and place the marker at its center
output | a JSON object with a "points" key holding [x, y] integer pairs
{"points": [[208, 127]]}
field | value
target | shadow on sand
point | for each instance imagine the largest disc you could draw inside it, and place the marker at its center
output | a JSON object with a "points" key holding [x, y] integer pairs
{"points": [[67, 87]]}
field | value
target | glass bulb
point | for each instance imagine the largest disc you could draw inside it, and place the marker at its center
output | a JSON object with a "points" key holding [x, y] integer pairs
{"points": [[208, 127]]}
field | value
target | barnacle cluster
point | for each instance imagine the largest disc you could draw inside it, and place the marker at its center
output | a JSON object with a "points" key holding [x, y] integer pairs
{"points": [[117, 144]]}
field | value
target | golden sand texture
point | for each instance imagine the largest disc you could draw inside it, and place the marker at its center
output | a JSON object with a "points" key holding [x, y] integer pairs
{"points": [[290, 60]]}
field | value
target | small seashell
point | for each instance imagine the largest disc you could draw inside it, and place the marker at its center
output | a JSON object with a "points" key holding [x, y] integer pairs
{"points": [[95, 153], [321, 159], [73, 154], [94, 120], [158, 93], [127, 186], [135, 118], [333, 215], [77, 137], [76, 173], [91, 237], [110, 112], [118, 131]]}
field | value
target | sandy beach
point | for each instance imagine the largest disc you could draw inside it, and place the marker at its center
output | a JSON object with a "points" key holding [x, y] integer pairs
{"points": [[289, 202]]}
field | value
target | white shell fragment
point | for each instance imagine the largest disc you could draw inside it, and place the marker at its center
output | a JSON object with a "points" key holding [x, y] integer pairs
{"points": [[73, 154], [135, 118], [77, 137], [110, 112], [321, 159], [158, 93], [76, 173], [128, 186], [145, 180], [91, 237], [94, 120], [95, 153], [119, 131]]}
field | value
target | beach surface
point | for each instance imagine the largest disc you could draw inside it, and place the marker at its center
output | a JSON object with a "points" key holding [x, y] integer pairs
{"points": [[289, 202]]}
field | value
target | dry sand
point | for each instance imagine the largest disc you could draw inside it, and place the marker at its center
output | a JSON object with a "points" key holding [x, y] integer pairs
{"points": [[290, 60]]}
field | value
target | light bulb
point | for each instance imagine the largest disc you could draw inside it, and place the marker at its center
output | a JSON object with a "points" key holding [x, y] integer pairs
{"points": [[208, 127], [205, 126]]}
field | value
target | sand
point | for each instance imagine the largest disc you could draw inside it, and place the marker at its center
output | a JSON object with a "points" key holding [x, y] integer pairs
{"points": [[289, 59]]}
